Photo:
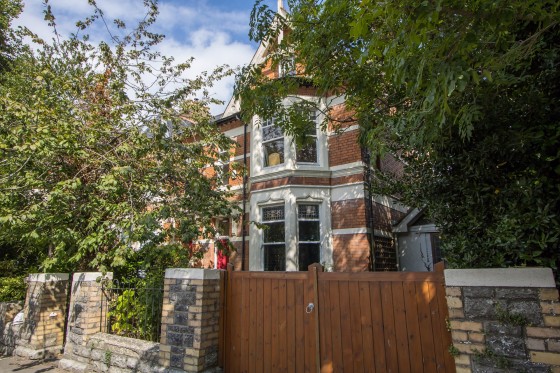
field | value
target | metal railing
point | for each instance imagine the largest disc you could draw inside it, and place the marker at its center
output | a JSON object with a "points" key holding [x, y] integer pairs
{"points": [[131, 311]]}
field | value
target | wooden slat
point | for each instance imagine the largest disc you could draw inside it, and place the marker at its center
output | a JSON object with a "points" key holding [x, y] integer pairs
{"points": [[300, 331], [267, 297], [378, 332], [367, 328], [260, 326], [309, 326], [437, 329], [446, 340], [356, 327], [413, 328], [325, 328], [389, 328], [336, 327], [275, 356], [345, 324], [253, 343], [236, 353], [425, 322], [400, 311], [282, 320], [291, 343], [245, 325]]}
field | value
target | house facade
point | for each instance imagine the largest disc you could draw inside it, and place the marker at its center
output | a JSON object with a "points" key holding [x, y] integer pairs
{"points": [[305, 204], [302, 205]]}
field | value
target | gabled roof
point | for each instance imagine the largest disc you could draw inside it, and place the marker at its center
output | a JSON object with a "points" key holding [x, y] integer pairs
{"points": [[411, 219], [259, 57]]}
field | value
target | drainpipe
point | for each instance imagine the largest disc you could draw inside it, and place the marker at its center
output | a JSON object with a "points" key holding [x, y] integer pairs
{"points": [[243, 222], [370, 218]]}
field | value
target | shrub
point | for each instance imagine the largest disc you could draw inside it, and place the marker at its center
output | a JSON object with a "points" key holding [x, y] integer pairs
{"points": [[12, 289]]}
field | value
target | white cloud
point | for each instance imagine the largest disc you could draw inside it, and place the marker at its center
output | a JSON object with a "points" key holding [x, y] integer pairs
{"points": [[193, 29]]}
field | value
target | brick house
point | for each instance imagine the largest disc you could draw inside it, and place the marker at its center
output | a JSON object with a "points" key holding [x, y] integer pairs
{"points": [[314, 201]]}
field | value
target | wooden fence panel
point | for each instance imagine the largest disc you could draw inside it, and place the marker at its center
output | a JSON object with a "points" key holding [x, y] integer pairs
{"points": [[367, 322], [267, 328], [383, 322]]}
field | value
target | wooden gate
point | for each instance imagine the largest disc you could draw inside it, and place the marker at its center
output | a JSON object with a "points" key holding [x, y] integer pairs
{"points": [[335, 322]]}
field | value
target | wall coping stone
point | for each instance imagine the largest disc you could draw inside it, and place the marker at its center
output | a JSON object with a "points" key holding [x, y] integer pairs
{"points": [[192, 274], [90, 276], [501, 277], [44, 277]]}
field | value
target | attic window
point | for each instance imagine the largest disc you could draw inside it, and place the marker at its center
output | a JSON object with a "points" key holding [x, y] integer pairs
{"points": [[287, 67]]}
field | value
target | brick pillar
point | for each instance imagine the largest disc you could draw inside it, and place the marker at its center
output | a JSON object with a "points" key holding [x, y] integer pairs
{"points": [[42, 332], [85, 317], [504, 319], [190, 319]]}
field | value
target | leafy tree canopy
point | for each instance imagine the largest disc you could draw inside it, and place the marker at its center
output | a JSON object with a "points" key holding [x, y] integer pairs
{"points": [[465, 93], [102, 148]]}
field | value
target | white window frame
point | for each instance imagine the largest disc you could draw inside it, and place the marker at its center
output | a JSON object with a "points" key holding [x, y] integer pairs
{"points": [[270, 123], [264, 244], [318, 220], [316, 136]]}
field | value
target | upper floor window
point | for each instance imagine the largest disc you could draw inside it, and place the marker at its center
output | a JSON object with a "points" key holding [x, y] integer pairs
{"points": [[307, 152], [222, 166], [273, 143], [222, 226]]}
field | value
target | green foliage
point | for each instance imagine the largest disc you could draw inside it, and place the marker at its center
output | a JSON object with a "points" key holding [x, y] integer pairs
{"points": [[490, 357], [453, 351], [464, 93], [136, 311], [102, 147], [12, 289], [126, 314], [510, 318], [107, 357], [9, 9]]}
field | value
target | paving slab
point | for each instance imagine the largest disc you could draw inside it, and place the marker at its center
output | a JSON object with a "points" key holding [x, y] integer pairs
{"points": [[20, 365]]}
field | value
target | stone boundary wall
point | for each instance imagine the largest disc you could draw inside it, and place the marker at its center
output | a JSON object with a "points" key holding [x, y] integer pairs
{"points": [[504, 320], [111, 353], [8, 331], [42, 332]]}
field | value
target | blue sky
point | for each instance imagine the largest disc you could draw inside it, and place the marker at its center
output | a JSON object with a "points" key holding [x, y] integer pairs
{"points": [[214, 32]]}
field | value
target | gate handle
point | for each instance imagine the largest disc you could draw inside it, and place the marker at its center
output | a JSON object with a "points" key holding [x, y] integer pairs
{"points": [[309, 308]]}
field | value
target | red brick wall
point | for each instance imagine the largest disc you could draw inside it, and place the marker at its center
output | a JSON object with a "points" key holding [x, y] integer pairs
{"points": [[350, 253], [229, 125], [347, 179], [348, 214], [239, 150], [291, 180], [342, 117], [207, 260], [390, 164], [344, 148], [235, 258], [384, 217]]}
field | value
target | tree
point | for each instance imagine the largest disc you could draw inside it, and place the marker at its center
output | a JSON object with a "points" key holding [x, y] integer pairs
{"points": [[102, 149], [9, 9], [464, 93]]}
